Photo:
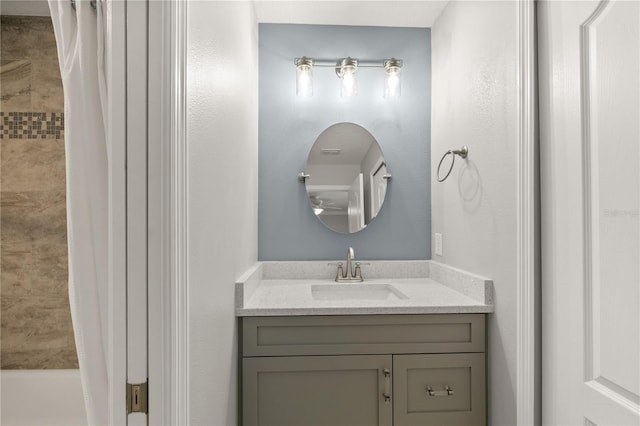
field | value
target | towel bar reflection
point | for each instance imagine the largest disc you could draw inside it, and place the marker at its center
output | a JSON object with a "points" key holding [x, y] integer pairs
{"points": [[462, 152]]}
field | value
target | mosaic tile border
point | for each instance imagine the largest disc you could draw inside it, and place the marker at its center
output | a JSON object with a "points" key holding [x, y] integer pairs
{"points": [[31, 125]]}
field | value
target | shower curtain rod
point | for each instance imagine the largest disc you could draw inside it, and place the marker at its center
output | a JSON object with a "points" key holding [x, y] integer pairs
{"points": [[92, 3]]}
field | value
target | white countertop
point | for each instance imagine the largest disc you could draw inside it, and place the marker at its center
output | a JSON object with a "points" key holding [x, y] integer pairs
{"points": [[285, 289]]}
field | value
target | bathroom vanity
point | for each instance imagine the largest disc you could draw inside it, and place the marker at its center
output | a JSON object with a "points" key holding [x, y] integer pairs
{"points": [[405, 347]]}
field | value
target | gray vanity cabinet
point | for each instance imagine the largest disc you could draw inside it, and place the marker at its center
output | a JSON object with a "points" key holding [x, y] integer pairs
{"points": [[401, 370]]}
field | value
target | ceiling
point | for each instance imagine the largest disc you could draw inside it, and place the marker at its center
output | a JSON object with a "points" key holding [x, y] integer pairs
{"points": [[418, 14], [352, 141]]}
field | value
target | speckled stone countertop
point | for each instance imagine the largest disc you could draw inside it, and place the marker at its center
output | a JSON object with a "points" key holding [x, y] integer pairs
{"points": [[286, 288]]}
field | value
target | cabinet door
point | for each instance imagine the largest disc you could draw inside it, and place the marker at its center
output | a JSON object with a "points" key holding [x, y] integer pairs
{"points": [[317, 390], [439, 389]]}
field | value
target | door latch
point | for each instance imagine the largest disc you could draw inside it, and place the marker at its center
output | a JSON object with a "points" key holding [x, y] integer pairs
{"points": [[137, 398]]}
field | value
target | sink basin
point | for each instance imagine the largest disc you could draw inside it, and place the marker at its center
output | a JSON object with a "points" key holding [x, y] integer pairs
{"points": [[349, 291]]}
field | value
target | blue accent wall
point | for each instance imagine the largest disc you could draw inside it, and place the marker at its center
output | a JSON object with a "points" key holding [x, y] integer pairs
{"points": [[289, 125]]}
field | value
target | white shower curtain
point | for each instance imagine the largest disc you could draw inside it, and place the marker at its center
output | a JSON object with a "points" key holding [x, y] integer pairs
{"points": [[80, 40]]}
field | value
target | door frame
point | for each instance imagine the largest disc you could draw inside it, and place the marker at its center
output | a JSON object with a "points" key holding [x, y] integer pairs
{"points": [[171, 309], [168, 399], [528, 368], [116, 137], [175, 166], [164, 378], [168, 306], [168, 297]]}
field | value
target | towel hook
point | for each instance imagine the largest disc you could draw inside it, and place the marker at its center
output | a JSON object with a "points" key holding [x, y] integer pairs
{"points": [[462, 152]]}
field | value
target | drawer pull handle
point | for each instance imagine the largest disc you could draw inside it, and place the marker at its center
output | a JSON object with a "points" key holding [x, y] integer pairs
{"points": [[446, 392], [387, 385]]}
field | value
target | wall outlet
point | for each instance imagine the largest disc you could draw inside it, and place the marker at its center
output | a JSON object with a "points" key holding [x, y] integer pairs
{"points": [[438, 244]]}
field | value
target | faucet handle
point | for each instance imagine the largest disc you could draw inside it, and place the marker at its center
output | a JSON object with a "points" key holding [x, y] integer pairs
{"points": [[340, 272], [357, 273]]}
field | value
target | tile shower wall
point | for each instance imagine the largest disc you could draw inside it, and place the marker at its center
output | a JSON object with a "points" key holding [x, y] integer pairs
{"points": [[35, 317]]}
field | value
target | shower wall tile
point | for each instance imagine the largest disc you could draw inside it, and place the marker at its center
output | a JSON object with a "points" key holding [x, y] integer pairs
{"points": [[14, 31], [38, 270], [25, 37], [35, 321], [30, 71], [49, 324], [32, 165], [33, 217], [47, 318], [46, 86], [50, 275], [31, 125], [15, 92], [16, 269]]}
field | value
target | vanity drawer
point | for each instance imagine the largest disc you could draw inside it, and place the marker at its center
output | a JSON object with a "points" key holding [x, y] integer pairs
{"points": [[462, 374], [366, 334]]}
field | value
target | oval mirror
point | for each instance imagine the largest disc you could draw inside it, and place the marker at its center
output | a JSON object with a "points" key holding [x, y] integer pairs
{"points": [[347, 177]]}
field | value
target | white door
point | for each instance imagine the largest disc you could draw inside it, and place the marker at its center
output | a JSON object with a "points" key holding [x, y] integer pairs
{"points": [[355, 209], [589, 70]]}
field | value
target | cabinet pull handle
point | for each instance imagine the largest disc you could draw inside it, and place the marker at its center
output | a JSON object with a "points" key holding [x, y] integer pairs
{"points": [[448, 391], [387, 385]]}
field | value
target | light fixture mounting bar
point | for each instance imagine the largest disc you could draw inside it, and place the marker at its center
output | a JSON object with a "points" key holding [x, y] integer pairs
{"points": [[362, 63]]}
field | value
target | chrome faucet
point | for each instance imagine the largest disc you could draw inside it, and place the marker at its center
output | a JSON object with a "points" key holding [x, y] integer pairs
{"points": [[351, 274]]}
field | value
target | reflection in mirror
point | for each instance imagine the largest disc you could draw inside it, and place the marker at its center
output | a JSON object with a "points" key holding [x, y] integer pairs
{"points": [[347, 179]]}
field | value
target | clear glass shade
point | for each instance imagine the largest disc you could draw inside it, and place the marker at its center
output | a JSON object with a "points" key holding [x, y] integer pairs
{"points": [[392, 83], [349, 86], [304, 80]]}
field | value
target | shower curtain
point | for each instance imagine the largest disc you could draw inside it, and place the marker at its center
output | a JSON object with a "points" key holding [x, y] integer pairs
{"points": [[80, 41]]}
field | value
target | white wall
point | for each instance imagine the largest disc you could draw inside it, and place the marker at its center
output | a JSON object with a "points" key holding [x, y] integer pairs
{"points": [[222, 139], [474, 47]]}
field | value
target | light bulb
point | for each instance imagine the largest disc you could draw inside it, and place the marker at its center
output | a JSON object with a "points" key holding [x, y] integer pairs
{"points": [[304, 77]]}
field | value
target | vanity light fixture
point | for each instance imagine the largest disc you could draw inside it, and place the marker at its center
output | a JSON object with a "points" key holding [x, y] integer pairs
{"points": [[304, 76], [347, 71]]}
